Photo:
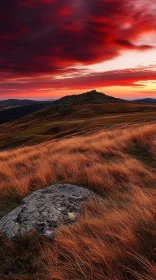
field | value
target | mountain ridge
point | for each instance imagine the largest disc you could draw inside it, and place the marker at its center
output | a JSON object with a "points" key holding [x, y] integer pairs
{"points": [[146, 100], [17, 102]]}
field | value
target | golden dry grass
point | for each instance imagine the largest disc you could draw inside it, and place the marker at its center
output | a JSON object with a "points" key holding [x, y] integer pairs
{"points": [[102, 161], [114, 237], [111, 241], [44, 125]]}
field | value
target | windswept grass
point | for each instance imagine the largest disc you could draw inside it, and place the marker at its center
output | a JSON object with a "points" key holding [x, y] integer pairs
{"points": [[114, 237], [110, 241], [103, 161], [77, 120]]}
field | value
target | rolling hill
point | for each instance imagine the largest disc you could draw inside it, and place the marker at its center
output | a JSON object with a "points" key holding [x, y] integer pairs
{"points": [[13, 109], [72, 115], [110, 149]]}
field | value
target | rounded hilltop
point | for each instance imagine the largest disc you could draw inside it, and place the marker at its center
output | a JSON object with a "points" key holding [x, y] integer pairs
{"points": [[84, 98]]}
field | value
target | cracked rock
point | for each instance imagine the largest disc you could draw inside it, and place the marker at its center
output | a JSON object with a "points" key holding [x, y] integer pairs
{"points": [[45, 210]]}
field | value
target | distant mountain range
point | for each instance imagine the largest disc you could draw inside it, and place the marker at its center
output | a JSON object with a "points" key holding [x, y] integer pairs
{"points": [[21, 102], [146, 100], [17, 102]]}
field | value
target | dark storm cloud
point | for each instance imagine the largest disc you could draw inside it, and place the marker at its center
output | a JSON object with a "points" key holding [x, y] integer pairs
{"points": [[46, 36]]}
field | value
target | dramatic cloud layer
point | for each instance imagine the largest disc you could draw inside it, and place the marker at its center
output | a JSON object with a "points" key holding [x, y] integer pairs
{"points": [[126, 77], [46, 37]]}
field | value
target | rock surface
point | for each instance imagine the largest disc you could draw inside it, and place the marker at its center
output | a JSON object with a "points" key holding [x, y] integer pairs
{"points": [[45, 210]]}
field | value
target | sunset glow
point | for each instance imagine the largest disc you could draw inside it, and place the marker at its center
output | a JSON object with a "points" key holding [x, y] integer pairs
{"points": [[52, 48]]}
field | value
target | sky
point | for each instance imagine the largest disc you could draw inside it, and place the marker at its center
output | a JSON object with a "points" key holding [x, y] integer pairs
{"points": [[52, 48]]}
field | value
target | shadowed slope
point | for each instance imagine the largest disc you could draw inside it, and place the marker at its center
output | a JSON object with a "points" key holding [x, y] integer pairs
{"points": [[15, 112]]}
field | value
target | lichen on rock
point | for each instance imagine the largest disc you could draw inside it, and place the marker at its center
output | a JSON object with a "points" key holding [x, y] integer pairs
{"points": [[45, 210]]}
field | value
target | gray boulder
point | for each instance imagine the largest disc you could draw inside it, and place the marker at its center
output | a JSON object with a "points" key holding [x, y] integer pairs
{"points": [[45, 210]]}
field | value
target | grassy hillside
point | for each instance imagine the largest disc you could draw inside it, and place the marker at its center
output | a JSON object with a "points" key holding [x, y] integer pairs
{"points": [[107, 147], [114, 237], [47, 124]]}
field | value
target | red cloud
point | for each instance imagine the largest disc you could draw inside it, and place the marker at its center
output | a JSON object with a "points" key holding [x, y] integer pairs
{"points": [[81, 80], [42, 36], [128, 45], [45, 37]]}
